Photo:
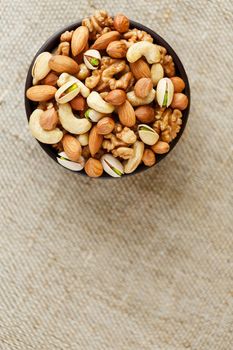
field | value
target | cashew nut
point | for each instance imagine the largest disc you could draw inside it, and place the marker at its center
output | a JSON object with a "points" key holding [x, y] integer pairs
{"points": [[65, 77], [70, 122], [143, 48], [49, 137], [96, 102], [83, 139], [135, 160], [137, 101], [83, 89]]}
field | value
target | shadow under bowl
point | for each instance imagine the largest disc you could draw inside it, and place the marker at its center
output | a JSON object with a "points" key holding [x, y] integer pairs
{"points": [[53, 42]]}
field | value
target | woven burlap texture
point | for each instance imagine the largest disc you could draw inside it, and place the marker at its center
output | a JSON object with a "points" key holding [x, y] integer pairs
{"points": [[143, 263]]}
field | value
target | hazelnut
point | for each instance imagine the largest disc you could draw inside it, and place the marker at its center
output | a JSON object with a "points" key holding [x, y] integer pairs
{"points": [[105, 126], [117, 49], [50, 79], [121, 23], [93, 168], [145, 114], [116, 97], [78, 103], [178, 83], [148, 157], [84, 72], [49, 119], [180, 101], [160, 147]]}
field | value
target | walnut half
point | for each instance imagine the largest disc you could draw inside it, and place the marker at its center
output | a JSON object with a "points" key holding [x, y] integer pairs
{"points": [[127, 135], [168, 123], [123, 152]]}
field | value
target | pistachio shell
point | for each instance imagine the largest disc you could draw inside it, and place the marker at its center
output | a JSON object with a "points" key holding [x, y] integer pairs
{"points": [[148, 135], [112, 166], [70, 95], [164, 92], [93, 115], [93, 54], [132, 163], [64, 161], [65, 77], [41, 67]]}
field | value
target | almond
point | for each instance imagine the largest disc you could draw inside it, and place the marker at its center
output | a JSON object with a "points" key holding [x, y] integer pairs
{"points": [[116, 97], [72, 147], [105, 39], [145, 114], [50, 79], [61, 64], [95, 141], [117, 49], [78, 103], [143, 87], [121, 23], [49, 119], [105, 126], [41, 93], [160, 147], [93, 167], [140, 69], [126, 114], [79, 40]]}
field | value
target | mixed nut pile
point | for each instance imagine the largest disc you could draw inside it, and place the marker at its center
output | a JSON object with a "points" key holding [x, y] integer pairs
{"points": [[108, 97]]}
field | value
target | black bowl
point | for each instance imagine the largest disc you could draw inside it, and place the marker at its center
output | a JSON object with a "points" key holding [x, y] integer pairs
{"points": [[53, 41]]}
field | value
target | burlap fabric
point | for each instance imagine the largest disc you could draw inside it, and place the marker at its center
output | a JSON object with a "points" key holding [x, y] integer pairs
{"points": [[144, 263]]}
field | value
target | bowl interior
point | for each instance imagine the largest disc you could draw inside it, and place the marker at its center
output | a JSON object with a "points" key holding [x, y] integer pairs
{"points": [[53, 42]]}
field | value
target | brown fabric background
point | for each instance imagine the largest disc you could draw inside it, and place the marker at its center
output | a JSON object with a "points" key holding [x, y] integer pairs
{"points": [[144, 263]]}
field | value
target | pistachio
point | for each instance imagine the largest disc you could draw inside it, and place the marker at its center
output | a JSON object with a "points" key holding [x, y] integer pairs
{"points": [[165, 91], [132, 163], [93, 115], [92, 59], [148, 135], [67, 92], [112, 166], [41, 67], [67, 163]]}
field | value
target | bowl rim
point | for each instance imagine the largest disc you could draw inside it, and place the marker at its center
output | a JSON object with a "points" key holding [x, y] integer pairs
{"points": [[51, 43]]}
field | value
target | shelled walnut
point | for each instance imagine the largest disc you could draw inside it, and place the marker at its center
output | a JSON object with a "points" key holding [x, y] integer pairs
{"points": [[135, 35], [169, 66], [168, 123], [111, 141], [99, 23]]}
